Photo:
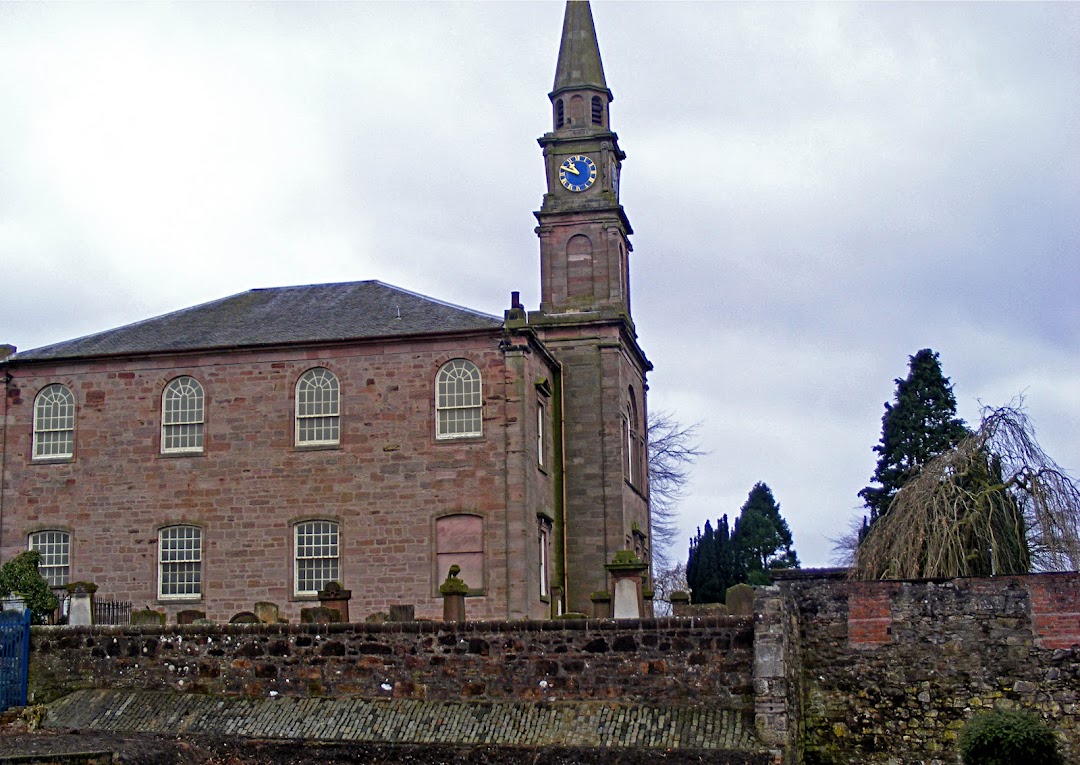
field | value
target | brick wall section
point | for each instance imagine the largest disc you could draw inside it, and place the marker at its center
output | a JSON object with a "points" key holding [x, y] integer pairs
{"points": [[869, 619], [1055, 613], [956, 647], [674, 662]]}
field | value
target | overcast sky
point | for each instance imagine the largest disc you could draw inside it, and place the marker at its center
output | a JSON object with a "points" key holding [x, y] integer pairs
{"points": [[817, 192]]}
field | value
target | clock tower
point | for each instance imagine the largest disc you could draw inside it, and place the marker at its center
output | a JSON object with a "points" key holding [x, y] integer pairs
{"points": [[584, 319]]}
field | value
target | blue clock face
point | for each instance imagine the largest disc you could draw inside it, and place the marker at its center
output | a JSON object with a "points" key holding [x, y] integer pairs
{"points": [[577, 173]]}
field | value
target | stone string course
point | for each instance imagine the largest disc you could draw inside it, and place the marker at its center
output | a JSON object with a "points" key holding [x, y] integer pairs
{"points": [[542, 724]]}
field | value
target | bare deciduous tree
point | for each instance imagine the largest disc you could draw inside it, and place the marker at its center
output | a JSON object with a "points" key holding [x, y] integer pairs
{"points": [[673, 447], [996, 503]]}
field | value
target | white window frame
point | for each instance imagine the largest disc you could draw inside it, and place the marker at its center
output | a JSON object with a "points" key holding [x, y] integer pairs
{"points": [[54, 423], [459, 400], [318, 408], [180, 562], [541, 414], [55, 548], [316, 545], [183, 410], [544, 543]]}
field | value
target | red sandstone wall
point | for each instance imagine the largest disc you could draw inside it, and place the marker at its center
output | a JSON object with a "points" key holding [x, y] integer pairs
{"points": [[384, 485]]}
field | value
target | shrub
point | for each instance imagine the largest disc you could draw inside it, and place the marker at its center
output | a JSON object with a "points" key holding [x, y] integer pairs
{"points": [[20, 575], [1006, 737]]}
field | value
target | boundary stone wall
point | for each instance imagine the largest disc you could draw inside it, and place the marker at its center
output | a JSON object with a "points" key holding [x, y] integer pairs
{"points": [[672, 662], [891, 670]]}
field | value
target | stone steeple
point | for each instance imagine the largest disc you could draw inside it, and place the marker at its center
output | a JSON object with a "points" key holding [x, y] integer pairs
{"points": [[579, 54], [584, 320]]}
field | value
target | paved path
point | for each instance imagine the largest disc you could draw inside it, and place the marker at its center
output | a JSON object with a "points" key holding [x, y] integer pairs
{"points": [[400, 721]]}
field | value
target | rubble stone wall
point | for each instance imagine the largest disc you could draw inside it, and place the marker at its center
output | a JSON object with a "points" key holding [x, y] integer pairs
{"points": [[894, 669], [655, 661]]}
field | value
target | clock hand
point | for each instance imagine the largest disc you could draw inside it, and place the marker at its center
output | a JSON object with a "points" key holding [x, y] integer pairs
{"points": [[571, 168]]}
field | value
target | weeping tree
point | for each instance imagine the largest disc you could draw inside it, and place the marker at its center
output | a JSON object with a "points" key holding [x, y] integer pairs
{"points": [[995, 503]]}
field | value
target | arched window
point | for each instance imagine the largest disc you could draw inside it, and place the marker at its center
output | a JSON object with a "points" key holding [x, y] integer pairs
{"points": [[318, 414], [317, 556], [458, 400], [55, 547], [632, 441], [182, 416], [597, 110], [459, 539], [560, 114], [180, 562], [54, 423]]}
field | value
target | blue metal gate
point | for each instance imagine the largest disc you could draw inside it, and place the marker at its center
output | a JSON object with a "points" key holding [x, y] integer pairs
{"points": [[14, 657]]}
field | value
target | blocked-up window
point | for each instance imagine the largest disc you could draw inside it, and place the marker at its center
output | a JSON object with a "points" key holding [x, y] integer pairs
{"points": [[317, 556], [180, 562], [458, 400], [318, 412], [182, 409], [460, 541], [55, 549], [54, 423]]}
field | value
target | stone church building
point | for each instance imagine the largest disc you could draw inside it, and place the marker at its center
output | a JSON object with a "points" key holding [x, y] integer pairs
{"points": [[256, 447]]}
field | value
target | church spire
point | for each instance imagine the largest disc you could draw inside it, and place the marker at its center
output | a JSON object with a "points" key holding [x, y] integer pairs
{"points": [[579, 54]]}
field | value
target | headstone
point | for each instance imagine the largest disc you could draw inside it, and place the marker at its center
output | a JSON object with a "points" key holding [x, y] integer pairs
{"points": [[13, 603], [680, 603], [403, 613], [626, 600], [244, 617], [147, 616], [601, 604], [740, 600], [628, 574], [268, 613], [80, 608], [333, 596], [319, 615], [189, 616]]}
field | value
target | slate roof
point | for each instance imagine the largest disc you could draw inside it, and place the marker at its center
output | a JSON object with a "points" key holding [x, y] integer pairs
{"points": [[282, 315]]}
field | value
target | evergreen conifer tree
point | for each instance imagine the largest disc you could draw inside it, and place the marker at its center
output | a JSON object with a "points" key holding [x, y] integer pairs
{"points": [[714, 565], [761, 538], [918, 426]]}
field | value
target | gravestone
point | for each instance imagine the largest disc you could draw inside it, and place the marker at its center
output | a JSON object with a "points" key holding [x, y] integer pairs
{"points": [[319, 615], [740, 600], [268, 613], [80, 608], [189, 616], [147, 616]]}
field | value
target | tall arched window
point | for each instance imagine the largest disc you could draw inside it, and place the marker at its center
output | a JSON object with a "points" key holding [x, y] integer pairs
{"points": [[55, 547], [632, 441], [560, 114], [318, 414], [54, 423], [182, 416], [458, 400]]}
